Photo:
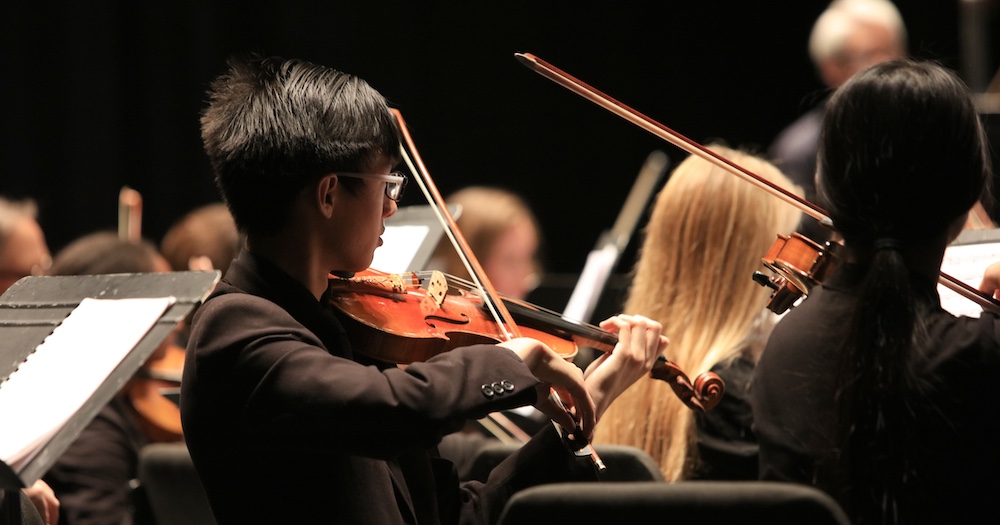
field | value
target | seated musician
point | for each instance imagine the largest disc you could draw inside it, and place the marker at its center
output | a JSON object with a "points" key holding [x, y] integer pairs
{"points": [[705, 238], [92, 478], [23, 252], [869, 390], [287, 421]]}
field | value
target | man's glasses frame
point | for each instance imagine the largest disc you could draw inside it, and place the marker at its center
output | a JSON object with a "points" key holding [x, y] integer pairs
{"points": [[395, 182]]}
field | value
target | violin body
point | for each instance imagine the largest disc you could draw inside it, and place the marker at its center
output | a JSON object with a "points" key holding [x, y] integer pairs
{"points": [[400, 318], [159, 417]]}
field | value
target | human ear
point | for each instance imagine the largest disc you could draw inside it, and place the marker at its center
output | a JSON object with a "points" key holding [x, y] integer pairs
{"points": [[326, 190]]}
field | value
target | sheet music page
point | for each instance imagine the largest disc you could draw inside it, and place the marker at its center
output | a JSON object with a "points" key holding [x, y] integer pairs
{"points": [[599, 265], [966, 263], [63, 372], [399, 247]]}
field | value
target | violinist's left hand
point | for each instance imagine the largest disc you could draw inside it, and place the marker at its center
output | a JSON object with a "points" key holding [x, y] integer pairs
{"points": [[991, 281], [639, 344]]}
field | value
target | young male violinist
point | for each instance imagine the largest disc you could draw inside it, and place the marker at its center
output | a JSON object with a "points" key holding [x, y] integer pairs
{"points": [[285, 421]]}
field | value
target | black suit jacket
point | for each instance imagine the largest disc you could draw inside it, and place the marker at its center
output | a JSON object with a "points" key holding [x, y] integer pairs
{"points": [[286, 426]]}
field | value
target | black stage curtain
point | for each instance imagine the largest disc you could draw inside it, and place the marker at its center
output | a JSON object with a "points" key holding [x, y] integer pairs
{"points": [[97, 95]]}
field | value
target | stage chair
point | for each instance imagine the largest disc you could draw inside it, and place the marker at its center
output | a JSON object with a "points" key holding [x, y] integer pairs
{"points": [[701, 502], [171, 486], [624, 463]]}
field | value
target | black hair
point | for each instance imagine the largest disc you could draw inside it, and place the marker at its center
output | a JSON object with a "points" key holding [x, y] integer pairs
{"points": [[104, 252], [274, 126]]}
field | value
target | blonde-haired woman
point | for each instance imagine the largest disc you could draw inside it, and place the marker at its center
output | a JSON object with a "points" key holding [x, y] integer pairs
{"points": [[703, 242]]}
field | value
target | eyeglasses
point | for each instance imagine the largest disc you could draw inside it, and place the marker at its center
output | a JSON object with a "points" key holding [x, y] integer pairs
{"points": [[395, 182]]}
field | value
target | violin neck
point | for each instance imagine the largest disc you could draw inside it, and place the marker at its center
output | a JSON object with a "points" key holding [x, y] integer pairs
{"points": [[581, 333]]}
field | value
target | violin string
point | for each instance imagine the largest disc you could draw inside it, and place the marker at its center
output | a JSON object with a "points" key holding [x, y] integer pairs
{"points": [[536, 312], [499, 314]]}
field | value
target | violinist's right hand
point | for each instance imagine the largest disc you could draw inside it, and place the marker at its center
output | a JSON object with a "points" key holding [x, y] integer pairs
{"points": [[991, 281], [44, 500], [555, 372]]}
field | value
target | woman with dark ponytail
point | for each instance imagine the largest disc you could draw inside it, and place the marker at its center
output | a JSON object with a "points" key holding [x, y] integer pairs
{"points": [[868, 389]]}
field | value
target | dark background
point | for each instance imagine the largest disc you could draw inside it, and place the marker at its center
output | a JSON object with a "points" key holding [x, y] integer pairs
{"points": [[97, 95]]}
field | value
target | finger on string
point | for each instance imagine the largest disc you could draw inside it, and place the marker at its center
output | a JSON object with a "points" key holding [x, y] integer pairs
{"points": [[612, 324]]}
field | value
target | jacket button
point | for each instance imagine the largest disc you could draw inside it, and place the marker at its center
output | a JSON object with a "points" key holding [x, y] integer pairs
{"points": [[498, 389], [507, 385], [488, 391]]}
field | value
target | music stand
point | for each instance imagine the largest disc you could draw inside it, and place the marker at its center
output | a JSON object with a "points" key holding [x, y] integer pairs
{"points": [[35, 308]]}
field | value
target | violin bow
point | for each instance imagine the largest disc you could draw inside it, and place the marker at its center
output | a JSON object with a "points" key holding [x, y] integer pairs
{"points": [[588, 92], [440, 208], [491, 298]]}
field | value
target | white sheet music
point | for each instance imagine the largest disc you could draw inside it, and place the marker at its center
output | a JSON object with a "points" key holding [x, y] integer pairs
{"points": [[966, 263], [399, 248], [595, 274], [67, 368]]}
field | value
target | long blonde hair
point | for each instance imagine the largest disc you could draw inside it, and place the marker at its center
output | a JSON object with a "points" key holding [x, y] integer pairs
{"points": [[703, 242]]}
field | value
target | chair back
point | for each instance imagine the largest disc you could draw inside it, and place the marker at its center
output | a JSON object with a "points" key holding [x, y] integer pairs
{"points": [[623, 463], [701, 502], [171, 486]]}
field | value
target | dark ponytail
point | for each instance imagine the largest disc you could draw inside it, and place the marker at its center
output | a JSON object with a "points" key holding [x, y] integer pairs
{"points": [[879, 383]]}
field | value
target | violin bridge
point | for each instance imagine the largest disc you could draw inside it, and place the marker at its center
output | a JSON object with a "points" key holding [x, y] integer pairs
{"points": [[393, 283], [437, 287]]}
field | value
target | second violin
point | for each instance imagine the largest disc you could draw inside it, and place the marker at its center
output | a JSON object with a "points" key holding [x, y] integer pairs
{"points": [[635, 117]]}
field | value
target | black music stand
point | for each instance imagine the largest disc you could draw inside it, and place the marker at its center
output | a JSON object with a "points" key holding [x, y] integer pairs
{"points": [[34, 307]]}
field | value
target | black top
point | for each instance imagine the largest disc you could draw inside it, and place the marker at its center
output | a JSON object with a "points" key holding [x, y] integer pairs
{"points": [[91, 479], [794, 153], [952, 446], [727, 445], [285, 427]]}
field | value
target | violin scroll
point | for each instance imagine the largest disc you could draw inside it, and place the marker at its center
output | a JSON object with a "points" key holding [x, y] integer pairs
{"points": [[709, 388], [704, 394]]}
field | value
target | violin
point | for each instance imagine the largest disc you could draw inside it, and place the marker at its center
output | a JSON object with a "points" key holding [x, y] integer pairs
{"points": [[149, 391], [403, 318], [797, 264]]}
